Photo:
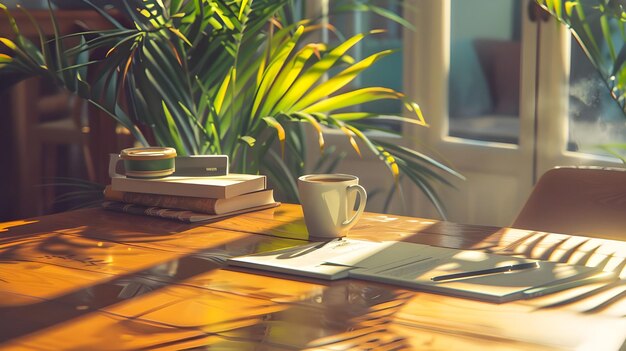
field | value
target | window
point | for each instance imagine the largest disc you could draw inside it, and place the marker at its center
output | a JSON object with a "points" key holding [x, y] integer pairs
{"points": [[595, 119], [484, 78]]}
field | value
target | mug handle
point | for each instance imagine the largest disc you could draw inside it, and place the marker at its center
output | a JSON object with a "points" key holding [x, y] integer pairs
{"points": [[114, 169], [362, 201]]}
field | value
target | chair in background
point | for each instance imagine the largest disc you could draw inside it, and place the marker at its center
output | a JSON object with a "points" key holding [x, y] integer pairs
{"points": [[46, 123], [578, 200]]}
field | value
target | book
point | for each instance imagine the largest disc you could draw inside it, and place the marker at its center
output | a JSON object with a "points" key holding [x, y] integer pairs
{"points": [[419, 267], [195, 204], [218, 187], [179, 215]]}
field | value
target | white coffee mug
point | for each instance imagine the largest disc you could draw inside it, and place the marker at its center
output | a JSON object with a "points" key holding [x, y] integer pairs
{"points": [[328, 202]]}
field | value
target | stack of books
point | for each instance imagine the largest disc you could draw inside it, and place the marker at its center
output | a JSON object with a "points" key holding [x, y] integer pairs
{"points": [[189, 199]]}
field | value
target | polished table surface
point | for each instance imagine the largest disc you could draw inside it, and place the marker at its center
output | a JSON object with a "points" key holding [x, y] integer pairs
{"points": [[98, 280]]}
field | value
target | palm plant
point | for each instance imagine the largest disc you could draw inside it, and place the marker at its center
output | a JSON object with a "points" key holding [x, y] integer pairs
{"points": [[230, 77]]}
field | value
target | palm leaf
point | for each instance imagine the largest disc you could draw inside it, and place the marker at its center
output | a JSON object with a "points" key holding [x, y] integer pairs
{"points": [[274, 67], [352, 98], [339, 81], [315, 72], [280, 132]]}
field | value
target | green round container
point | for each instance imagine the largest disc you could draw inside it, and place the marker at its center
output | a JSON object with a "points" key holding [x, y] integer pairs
{"points": [[148, 162]]}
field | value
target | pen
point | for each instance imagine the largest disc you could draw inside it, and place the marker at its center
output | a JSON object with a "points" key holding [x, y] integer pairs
{"points": [[549, 289], [481, 272]]}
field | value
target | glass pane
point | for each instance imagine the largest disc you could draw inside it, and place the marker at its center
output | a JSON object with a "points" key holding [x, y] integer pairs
{"points": [[386, 72], [595, 119], [484, 79]]}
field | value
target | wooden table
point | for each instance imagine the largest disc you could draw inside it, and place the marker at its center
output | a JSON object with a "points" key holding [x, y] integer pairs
{"points": [[91, 279]]}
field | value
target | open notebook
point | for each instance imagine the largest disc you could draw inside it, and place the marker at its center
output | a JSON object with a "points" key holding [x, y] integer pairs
{"points": [[415, 265]]}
